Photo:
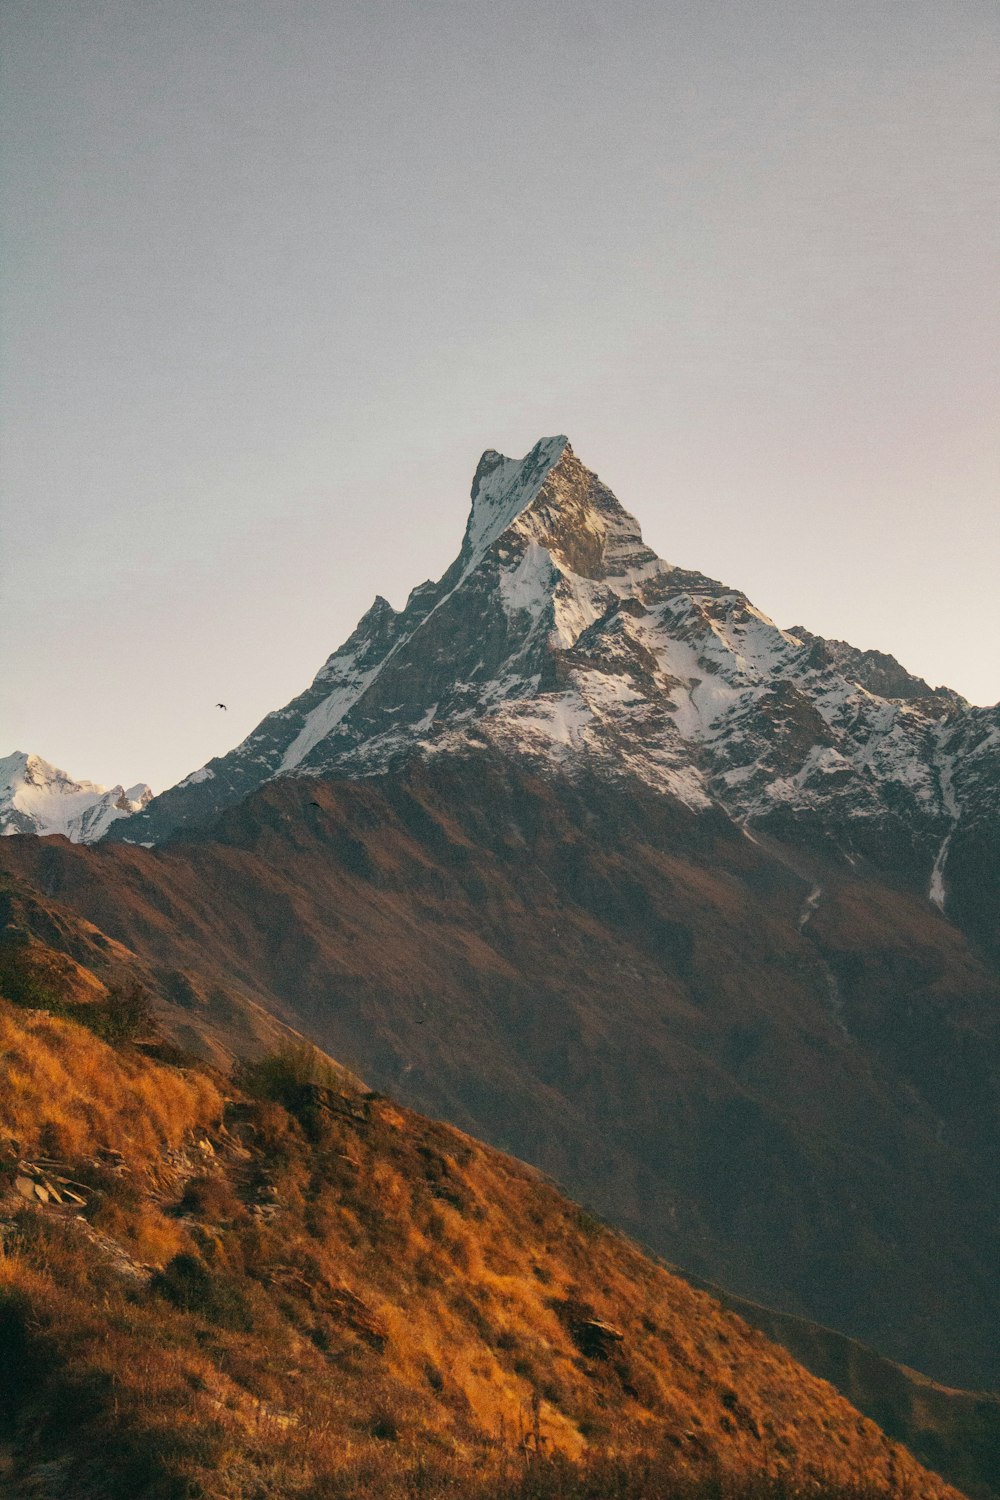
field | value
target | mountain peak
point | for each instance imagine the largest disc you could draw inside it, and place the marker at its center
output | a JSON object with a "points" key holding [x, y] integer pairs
{"points": [[558, 637], [37, 797], [503, 488], [551, 499], [34, 770]]}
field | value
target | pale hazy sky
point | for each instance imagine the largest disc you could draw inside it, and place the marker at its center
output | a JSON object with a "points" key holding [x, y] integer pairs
{"points": [[278, 272]]}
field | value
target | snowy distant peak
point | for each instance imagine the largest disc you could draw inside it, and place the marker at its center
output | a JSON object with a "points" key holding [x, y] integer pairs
{"points": [[36, 797], [30, 772]]}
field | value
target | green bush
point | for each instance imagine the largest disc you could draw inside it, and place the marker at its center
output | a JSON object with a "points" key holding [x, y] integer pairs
{"points": [[124, 1015]]}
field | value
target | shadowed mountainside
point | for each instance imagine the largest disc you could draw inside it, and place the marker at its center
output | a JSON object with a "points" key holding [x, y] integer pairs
{"points": [[956, 1433], [778, 1073]]}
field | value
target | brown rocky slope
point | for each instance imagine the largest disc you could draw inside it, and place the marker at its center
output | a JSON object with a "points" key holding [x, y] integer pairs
{"points": [[793, 1095], [289, 1286]]}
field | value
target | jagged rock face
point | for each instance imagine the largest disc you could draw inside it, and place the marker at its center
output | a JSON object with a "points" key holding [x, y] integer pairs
{"points": [[878, 673], [36, 797], [558, 637]]}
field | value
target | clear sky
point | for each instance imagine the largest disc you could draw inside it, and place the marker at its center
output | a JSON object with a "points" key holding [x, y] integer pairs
{"points": [[278, 272]]}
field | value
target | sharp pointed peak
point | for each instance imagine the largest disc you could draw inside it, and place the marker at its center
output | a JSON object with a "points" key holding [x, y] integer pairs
{"points": [[551, 498], [26, 762], [547, 450], [504, 487]]}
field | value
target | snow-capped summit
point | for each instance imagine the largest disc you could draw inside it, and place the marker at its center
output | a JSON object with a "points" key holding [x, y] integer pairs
{"points": [[559, 638], [36, 797], [501, 489]]}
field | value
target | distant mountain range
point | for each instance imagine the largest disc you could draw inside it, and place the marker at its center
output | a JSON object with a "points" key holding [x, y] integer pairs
{"points": [[583, 853], [36, 797]]}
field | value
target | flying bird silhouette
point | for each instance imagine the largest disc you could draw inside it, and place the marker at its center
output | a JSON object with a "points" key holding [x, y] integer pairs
{"points": [[222, 705], [317, 804]]}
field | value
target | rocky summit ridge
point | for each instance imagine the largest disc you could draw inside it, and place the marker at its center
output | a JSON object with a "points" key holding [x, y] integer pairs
{"points": [[558, 637]]}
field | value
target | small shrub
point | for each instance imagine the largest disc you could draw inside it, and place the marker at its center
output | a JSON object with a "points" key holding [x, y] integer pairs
{"points": [[124, 1015], [435, 1227], [589, 1225], [384, 1424], [192, 1287], [282, 1075], [211, 1197]]}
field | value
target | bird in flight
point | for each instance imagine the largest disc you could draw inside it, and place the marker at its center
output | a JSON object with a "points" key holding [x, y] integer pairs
{"points": [[222, 705], [317, 804]]}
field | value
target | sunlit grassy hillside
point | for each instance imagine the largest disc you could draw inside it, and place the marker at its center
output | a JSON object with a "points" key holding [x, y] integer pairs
{"points": [[287, 1286]]}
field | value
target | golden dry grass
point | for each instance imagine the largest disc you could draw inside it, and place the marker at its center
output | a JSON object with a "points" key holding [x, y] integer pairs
{"points": [[315, 1293], [68, 1094]]}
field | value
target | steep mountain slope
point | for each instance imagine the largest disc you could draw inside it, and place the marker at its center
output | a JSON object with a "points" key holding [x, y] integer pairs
{"points": [[558, 637], [38, 798], [955, 1433], [214, 1022], [291, 1287], [779, 1071]]}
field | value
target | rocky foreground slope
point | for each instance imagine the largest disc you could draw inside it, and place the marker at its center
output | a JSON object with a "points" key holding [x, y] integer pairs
{"points": [[285, 1285]]}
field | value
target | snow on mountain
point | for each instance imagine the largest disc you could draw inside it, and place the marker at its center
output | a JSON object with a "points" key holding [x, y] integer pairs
{"points": [[36, 797], [559, 637]]}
